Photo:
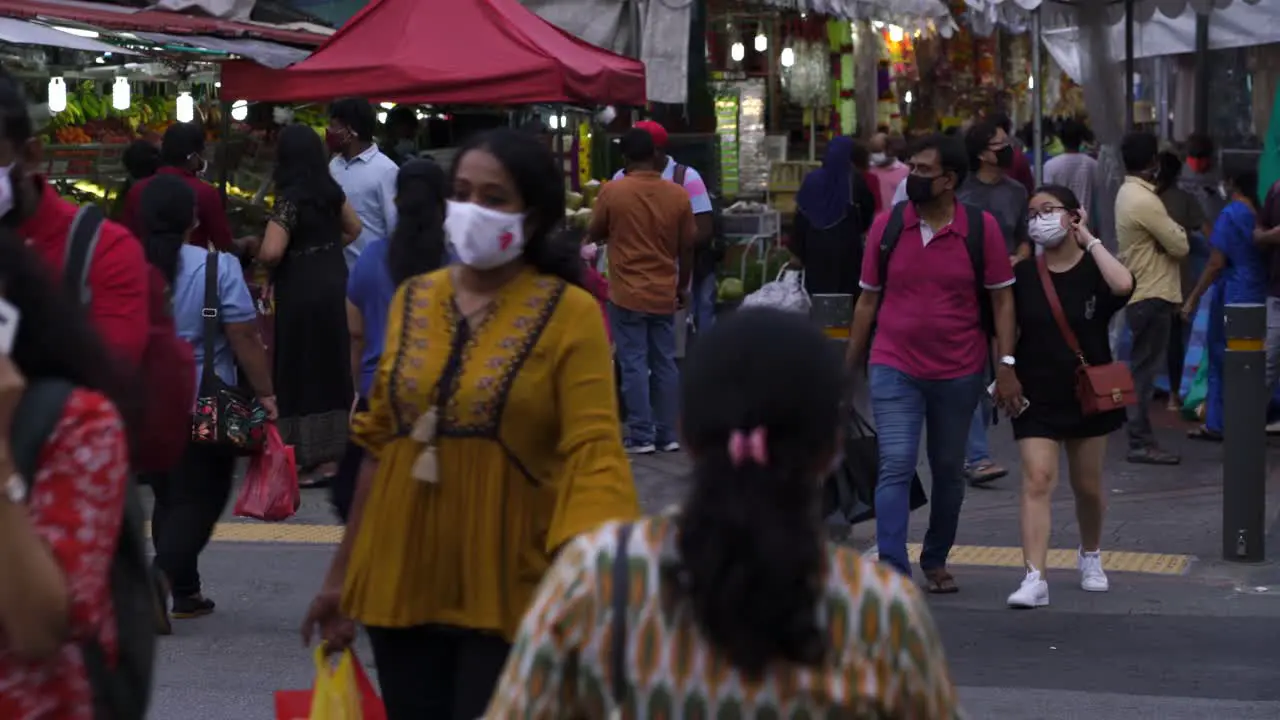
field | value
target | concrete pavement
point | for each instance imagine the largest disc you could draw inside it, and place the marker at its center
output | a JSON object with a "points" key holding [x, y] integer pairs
{"points": [[1195, 643]]}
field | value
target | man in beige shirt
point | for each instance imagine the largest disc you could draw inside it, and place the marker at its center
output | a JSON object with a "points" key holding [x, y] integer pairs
{"points": [[1152, 245]]}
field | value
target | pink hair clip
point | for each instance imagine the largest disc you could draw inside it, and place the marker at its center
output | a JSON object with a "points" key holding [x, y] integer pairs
{"points": [[751, 445]]}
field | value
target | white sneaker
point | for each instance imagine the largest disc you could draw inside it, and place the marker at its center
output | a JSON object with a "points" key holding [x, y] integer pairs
{"points": [[1092, 578], [672, 446], [1033, 592]]}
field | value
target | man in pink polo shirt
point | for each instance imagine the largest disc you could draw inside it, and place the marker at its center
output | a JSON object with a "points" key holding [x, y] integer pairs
{"points": [[931, 345]]}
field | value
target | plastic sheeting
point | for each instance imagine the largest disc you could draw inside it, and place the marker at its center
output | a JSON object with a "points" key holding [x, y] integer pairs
{"points": [[1144, 9], [21, 32], [225, 9]]}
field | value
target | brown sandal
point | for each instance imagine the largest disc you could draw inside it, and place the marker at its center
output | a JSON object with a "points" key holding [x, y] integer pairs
{"points": [[940, 582]]}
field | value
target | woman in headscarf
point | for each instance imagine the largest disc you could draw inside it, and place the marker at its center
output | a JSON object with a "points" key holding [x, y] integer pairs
{"points": [[834, 208]]}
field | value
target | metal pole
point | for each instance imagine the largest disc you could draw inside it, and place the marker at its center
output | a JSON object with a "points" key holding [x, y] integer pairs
{"points": [[1202, 74], [1037, 99], [1128, 65], [1244, 448]]}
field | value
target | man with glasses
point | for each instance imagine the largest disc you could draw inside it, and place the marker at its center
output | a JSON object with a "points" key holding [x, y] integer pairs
{"points": [[929, 357]]}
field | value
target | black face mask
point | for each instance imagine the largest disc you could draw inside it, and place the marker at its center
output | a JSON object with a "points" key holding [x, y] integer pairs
{"points": [[920, 189], [1004, 156]]}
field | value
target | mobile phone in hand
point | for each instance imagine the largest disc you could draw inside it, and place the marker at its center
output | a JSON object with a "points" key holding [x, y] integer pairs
{"points": [[9, 316]]}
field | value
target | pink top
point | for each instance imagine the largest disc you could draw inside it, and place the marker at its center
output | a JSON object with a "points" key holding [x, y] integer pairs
{"points": [[930, 325], [890, 177]]}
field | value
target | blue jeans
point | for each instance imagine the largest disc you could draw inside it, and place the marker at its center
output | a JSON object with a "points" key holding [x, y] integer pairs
{"points": [[902, 405], [646, 350], [976, 449], [704, 303]]}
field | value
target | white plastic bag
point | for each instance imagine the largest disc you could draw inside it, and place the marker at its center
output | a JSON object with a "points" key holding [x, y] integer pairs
{"points": [[785, 293]]}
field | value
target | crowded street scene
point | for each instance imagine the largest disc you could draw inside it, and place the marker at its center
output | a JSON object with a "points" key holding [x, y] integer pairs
{"points": [[639, 359]]}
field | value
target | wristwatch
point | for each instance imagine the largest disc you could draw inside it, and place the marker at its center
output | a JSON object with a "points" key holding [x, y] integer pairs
{"points": [[1007, 360], [15, 489]]}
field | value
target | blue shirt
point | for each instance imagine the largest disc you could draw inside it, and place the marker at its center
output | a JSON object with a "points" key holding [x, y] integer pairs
{"points": [[1244, 279], [235, 306], [370, 289], [369, 182]]}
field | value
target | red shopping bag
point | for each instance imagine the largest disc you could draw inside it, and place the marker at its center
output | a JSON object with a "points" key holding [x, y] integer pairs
{"points": [[270, 490], [335, 683]]}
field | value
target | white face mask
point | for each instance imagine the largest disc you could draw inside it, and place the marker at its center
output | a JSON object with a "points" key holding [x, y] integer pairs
{"points": [[1047, 230], [6, 189], [878, 158], [482, 238]]}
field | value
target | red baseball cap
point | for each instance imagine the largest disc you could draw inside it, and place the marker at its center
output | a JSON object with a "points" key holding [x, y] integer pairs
{"points": [[656, 131]]}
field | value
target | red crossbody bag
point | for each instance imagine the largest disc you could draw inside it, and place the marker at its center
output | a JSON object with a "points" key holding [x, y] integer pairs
{"points": [[1099, 388]]}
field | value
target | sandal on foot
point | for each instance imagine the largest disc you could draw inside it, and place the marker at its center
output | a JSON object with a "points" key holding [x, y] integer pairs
{"points": [[939, 582], [1204, 433], [984, 473]]}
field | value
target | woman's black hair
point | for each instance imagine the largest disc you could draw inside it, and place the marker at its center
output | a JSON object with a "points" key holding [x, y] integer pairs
{"points": [[302, 169], [1245, 182], [55, 340], [1170, 169], [168, 210], [540, 182], [141, 159], [1062, 194], [751, 543], [417, 244]]}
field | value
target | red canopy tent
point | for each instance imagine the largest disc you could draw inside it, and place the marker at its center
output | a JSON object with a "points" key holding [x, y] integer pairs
{"points": [[461, 52]]}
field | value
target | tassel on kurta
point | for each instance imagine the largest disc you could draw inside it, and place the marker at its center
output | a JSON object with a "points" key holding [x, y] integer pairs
{"points": [[426, 468]]}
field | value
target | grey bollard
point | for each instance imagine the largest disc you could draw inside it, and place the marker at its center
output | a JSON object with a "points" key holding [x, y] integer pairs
{"points": [[1244, 448]]}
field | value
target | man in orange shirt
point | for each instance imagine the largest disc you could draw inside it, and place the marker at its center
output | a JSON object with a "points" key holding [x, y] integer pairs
{"points": [[649, 226]]}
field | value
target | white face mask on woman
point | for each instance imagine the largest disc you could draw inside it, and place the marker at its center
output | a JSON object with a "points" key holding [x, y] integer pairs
{"points": [[482, 238], [1047, 230]]}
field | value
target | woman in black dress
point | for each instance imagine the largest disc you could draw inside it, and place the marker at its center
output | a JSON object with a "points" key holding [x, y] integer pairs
{"points": [[1092, 285], [309, 226]]}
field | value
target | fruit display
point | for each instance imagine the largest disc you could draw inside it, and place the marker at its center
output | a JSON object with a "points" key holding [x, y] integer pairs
{"points": [[577, 206], [90, 118]]}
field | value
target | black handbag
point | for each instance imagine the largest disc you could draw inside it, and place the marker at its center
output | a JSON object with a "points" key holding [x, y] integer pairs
{"points": [[851, 489], [224, 414]]}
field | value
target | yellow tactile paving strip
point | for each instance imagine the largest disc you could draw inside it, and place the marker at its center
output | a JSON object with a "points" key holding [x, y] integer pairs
{"points": [[1120, 561], [963, 555]]}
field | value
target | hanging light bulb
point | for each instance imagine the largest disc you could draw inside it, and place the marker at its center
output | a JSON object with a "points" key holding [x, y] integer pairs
{"points": [[762, 41], [239, 110], [382, 116], [57, 95], [907, 97], [737, 52], [895, 34], [186, 107], [564, 123], [120, 94], [1031, 82], [788, 57]]}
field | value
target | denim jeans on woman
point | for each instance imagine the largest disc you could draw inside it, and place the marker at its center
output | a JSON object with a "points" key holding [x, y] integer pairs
{"points": [[904, 405], [645, 346]]}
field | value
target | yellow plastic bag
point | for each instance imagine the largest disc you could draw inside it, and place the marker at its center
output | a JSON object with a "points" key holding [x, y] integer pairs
{"points": [[336, 696]]}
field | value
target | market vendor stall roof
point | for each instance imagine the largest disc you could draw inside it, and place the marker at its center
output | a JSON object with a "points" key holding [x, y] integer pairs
{"points": [[1144, 9], [23, 32], [461, 52], [124, 19]]}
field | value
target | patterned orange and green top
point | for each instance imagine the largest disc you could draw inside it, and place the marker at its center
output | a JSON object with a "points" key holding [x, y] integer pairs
{"points": [[886, 660]]}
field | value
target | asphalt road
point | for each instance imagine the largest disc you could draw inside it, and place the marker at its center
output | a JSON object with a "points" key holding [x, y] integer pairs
{"points": [[1199, 646]]}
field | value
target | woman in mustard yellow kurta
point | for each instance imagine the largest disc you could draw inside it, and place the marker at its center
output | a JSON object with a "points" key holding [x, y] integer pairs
{"points": [[494, 439]]}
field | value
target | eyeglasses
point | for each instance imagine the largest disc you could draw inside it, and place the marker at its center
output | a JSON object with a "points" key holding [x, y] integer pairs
{"points": [[1046, 211]]}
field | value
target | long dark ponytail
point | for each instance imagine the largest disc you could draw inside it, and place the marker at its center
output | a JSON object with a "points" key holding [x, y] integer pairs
{"points": [[417, 244], [168, 212], [751, 544], [540, 182]]}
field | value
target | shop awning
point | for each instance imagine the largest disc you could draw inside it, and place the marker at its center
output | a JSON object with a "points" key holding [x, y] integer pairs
{"points": [[123, 19], [904, 11], [462, 52], [268, 54], [22, 32], [1144, 9]]}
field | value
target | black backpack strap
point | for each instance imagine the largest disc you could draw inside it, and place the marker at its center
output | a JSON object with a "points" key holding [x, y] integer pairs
{"points": [[679, 174], [40, 409], [621, 595], [210, 314], [82, 241], [889, 240]]}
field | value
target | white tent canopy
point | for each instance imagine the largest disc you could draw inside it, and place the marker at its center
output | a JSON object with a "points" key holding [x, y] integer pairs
{"points": [[1144, 9], [1240, 25]]}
